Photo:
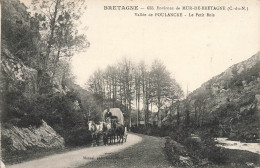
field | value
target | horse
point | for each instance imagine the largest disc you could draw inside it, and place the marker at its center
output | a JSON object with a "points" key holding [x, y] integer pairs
{"points": [[108, 132], [105, 133], [119, 131], [96, 131]]}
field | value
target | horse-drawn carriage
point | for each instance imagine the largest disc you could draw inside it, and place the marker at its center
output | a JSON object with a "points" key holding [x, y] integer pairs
{"points": [[111, 128]]}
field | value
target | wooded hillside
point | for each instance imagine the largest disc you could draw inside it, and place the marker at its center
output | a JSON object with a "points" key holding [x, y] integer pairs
{"points": [[37, 83]]}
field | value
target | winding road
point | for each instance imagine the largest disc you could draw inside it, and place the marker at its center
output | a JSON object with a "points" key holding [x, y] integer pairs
{"points": [[145, 151]]}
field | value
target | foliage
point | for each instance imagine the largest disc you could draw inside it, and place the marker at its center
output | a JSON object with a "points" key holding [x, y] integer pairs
{"points": [[19, 33], [230, 111], [217, 155], [120, 84], [16, 113], [78, 136], [163, 87], [60, 111], [180, 134], [250, 75], [37, 44], [232, 118], [182, 142], [174, 151], [57, 22], [43, 37], [6, 142]]}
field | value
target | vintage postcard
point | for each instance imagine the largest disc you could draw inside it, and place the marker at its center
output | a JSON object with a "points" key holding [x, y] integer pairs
{"points": [[130, 83]]}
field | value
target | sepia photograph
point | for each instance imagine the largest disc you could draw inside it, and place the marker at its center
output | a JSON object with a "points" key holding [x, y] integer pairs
{"points": [[130, 83]]}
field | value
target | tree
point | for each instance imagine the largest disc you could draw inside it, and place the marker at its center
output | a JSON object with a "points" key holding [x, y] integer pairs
{"points": [[161, 84], [127, 72], [137, 74], [187, 112], [57, 21], [145, 82], [199, 104], [96, 86], [122, 82]]}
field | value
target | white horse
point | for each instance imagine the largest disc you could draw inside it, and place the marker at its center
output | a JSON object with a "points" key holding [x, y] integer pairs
{"points": [[96, 130]]}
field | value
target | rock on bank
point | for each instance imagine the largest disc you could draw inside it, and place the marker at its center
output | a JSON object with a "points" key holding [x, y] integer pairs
{"points": [[25, 138]]}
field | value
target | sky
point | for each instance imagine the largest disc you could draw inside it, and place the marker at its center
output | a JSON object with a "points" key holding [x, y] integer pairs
{"points": [[194, 49]]}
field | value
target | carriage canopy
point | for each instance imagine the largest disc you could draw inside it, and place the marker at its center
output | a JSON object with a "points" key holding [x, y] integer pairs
{"points": [[116, 112]]}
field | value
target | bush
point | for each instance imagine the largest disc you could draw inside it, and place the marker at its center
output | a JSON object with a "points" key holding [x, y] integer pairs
{"points": [[180, 134], [177, 154], [58, 110], [30, 120], [6, 142], [195, 148], [78, 137], [217, 155], [214, 154]]}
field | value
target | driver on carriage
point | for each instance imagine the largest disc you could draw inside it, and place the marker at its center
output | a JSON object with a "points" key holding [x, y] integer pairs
{"points": [[108, 114]]}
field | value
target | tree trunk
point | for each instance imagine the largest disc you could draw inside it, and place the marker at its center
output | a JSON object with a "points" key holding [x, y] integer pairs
{"points": [[178, 114], [42, 74], [50, 41]]}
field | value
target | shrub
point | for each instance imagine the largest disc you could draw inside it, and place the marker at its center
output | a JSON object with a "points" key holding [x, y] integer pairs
{"points": [[58, 110], [180, 134], [195, 148], [78, 136], [214, 154], [217, 155], [6, 142], [173, 150], [30, 120]]}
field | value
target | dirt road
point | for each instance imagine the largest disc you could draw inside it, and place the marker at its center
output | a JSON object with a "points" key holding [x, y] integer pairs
{"points": [[78, 158], [146, 154], [139, 151]]}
